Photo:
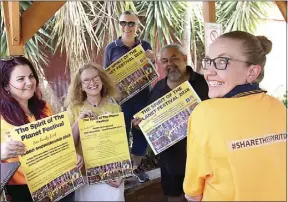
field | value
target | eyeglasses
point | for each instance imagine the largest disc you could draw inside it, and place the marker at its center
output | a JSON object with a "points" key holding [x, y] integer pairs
{"points": [[219, 63], [130, 23], [94, 79]]}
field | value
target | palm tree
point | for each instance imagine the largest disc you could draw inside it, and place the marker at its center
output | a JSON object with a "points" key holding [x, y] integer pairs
{"points": [[232, 15], [163, 21], [241, 15], [168, 22], [82, 29], [193, 36]]}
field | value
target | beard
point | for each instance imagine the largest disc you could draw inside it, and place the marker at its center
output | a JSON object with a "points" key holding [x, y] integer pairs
{"points": [[174, 75]]}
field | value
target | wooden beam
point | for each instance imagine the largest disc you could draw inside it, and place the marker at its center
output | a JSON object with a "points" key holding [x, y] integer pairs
{"points": [[37, 15], [12, 23], [14, 17], [282, 5], [209, 11]]}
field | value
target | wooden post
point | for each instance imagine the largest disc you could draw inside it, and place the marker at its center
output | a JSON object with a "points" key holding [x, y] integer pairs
{"points": [[209, 11], [13, 32], [20, 29], [282, 5], [37, 15]]}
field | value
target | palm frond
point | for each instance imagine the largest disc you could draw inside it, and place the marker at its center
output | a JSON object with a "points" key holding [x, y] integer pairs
{"points": [[163, 21], [79, 28], [241, 15]]}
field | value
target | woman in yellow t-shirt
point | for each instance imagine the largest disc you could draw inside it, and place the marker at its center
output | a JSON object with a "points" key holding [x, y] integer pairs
{"points": [[19, 105], [236, 142], [90, 94]]}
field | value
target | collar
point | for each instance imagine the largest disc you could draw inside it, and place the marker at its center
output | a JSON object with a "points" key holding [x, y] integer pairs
{"points": [[118, 42], [191, 72], [244, 90]]}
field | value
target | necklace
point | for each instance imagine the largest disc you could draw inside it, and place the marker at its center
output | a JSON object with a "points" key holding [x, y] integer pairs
{"points": [[102, 110], [94, 105]]}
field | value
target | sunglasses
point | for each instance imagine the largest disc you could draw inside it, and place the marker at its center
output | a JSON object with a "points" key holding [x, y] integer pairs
{"points": [[124, 23]]}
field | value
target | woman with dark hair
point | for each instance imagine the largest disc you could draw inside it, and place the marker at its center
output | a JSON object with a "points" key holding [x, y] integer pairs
{"points": [[19, 105]]}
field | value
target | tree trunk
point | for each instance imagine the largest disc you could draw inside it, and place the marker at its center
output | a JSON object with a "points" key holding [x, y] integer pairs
{"points": [[186, 39], [49, 95]]}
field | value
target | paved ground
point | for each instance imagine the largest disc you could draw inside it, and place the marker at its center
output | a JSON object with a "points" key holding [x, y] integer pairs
{"points": [[148, 191]]}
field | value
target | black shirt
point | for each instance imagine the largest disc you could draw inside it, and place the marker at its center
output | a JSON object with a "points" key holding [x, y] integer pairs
{"points": [[173, 159]]}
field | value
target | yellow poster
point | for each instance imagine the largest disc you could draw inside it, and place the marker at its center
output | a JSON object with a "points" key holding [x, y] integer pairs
{"points": [[132, 73], [165, 120], [105, 147], [50, 161]]}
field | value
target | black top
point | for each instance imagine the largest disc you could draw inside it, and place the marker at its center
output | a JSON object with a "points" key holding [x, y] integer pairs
{"points": [[173, 159], [7, 172]]}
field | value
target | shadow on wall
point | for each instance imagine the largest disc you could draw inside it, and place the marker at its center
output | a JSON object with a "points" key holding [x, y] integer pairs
{"points": [[54, 88]]}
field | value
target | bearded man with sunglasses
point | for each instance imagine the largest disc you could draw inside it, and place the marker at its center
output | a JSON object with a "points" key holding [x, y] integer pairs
{"points": [[129, 22]]}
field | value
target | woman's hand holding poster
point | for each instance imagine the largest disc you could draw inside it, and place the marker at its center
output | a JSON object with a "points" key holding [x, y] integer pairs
{"points": [[105, 148], [50, 163], [165, 120]]}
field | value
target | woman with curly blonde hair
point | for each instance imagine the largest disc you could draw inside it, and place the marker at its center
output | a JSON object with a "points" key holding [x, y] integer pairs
{"points": [[90, 94]]}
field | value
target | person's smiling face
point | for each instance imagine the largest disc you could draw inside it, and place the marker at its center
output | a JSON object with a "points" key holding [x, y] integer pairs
{"points": [[128, 31], [174, 64], [221, 82], [22, 83], [91, 82]]}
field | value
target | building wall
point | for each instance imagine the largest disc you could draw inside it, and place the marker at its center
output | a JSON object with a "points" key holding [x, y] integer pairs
{"points": [[57, 74], [274, 28]]}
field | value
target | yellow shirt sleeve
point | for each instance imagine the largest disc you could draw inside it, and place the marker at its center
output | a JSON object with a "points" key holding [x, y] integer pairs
{"points": [[112, 106], [197, 165], [73, 113], [119, 108]]}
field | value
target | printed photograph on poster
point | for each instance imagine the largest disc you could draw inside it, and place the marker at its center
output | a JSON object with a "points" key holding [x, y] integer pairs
{"points": [[170, 131], [111, 171], [59, 187], [135, 82], [132, 73], [105, 147]]}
